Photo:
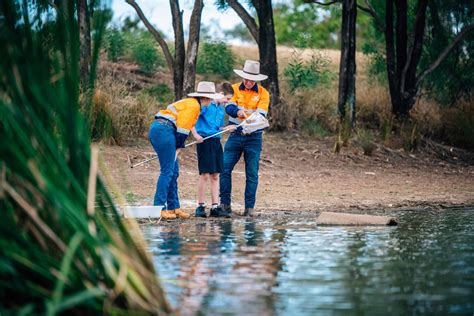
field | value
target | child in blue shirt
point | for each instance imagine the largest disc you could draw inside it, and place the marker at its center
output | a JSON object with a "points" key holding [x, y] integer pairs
{"points": [[209, 152]]}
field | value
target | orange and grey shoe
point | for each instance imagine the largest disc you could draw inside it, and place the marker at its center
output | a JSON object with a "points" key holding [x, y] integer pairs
{"points": [[181, 214], [168, 214]]}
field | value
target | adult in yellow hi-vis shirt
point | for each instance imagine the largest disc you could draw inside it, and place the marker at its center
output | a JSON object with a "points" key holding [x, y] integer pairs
{"points": [[167, 134], [249, 97]]}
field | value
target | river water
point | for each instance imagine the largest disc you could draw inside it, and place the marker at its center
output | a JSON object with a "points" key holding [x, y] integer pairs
{"points": [[423, 266]]}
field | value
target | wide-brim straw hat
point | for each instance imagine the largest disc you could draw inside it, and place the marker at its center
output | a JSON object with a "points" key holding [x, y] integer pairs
{"points": [[251, 71], [206, 89]]}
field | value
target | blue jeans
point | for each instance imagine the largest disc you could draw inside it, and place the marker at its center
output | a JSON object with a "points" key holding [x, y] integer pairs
{"points": [[251, 147], [163, 139]]}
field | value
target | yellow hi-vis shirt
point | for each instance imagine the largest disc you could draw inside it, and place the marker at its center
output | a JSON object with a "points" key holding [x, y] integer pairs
{"points": [[183, 114], [255, 99]]}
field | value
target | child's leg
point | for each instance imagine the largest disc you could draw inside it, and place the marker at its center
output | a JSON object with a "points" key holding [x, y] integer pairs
{"points": [[214, 188], [202, 187]]}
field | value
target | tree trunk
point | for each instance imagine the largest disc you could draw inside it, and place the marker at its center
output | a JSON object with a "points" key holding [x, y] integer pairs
{"points": [[347, 66], [409, 79], [267, 48], [192, 49], [85, 58], [401, 36], [402, 61], [246, 18], [179, 51]]}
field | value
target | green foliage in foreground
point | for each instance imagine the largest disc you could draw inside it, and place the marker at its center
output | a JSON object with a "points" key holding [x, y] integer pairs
{"points": [[64, 247]]}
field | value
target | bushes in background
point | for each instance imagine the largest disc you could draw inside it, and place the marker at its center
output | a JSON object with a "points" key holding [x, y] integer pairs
{"points": [[128, 114], [162, 93], [308, 74], [138, 46], [145, 53], [215, 58], [458, 127], [308, 89], [114, 44]]}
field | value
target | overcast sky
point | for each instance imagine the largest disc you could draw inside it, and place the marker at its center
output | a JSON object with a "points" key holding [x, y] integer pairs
{"points": [[159, 14]]}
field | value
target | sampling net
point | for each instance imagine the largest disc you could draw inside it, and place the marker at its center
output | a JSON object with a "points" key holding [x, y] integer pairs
{"points": [[254, 123]]}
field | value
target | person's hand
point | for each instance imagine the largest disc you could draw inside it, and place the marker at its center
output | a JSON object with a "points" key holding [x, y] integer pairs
{"points": [[241, 114], [199, 138], [230, 127]]}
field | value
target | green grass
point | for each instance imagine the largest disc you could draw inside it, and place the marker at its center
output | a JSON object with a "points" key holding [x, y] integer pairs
{"points": [[131, 198], [314, 128], [65, 249]]}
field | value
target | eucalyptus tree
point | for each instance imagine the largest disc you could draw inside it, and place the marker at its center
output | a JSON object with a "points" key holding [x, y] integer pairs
{"points": [[347, 65], [404, 25], [263, 33], [183, 64]]}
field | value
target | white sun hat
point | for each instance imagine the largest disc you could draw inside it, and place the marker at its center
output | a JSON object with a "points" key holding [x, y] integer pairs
{"points": [[206, 89], [251, 71]]}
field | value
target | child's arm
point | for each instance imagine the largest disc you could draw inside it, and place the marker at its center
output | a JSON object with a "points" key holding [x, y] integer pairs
{"points": [[196, 136]]}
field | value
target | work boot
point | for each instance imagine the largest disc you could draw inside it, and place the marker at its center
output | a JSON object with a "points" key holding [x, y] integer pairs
{"points": [[220, 212], [181, 214], [248, 212], [200, 211], [226, 208], [167, 214]]}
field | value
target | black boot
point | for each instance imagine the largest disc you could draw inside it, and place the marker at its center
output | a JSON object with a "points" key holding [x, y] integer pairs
{"points": [[200, 211], [221, 212]]}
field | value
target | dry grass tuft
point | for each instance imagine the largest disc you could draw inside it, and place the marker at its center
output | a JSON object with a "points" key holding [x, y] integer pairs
{"points": [[458, 125], [427, 114], [373, 103], [306, 105], [131, 113]]}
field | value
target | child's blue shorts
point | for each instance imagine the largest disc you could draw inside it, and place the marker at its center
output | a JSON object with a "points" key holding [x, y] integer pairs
{"points": [[210, 156]]}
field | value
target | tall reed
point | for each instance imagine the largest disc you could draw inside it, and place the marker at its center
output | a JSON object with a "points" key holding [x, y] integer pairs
{"points": [[65, 249]]}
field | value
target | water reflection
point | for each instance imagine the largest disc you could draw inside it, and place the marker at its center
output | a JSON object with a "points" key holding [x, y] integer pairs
{"points": [[423, 266]]}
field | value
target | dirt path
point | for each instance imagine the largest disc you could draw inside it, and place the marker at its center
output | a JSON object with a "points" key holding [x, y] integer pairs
{"points": [[303, 174]]}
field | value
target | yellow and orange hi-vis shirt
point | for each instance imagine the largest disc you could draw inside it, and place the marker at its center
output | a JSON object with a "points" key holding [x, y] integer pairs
{"points": [[249, 100], [183, 114]]}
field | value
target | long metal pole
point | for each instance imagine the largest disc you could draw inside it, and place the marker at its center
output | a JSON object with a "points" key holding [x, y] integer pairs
{"points": [[195, 142]]}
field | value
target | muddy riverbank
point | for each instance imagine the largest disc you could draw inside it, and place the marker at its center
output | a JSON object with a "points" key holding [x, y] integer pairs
{"points": [[302, 174]]}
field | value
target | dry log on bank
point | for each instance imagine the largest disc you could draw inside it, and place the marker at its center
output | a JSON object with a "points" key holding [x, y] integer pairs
{"points": [[332, 218]]}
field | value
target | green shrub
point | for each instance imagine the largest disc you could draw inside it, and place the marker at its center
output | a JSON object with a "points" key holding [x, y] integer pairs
{"points": [[143, 50], [114, 44], [308, 74], [162, 93], [377, 67], [215, 58]]}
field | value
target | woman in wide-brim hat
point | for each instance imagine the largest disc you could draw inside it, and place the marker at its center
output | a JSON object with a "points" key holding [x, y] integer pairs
{"points": [[167, 134]]}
